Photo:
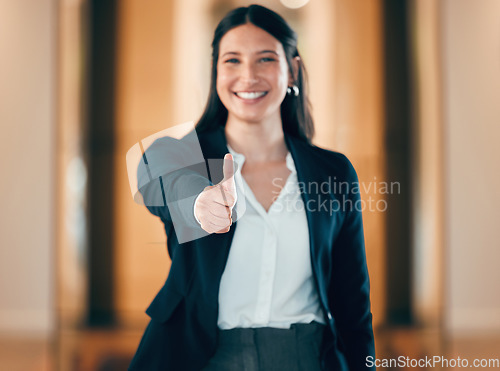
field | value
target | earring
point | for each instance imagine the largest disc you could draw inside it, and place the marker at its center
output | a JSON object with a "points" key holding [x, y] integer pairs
{"points": [[295, 90]]}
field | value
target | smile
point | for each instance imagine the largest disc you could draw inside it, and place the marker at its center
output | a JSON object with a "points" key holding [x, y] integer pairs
{"points": [[250, 95]]}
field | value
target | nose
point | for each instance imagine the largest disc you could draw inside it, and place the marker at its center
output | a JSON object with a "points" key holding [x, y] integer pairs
{"points": [[248, 74]]}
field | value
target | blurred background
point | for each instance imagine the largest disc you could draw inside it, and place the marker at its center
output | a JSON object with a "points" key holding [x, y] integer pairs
{"points": [[408, 89]]}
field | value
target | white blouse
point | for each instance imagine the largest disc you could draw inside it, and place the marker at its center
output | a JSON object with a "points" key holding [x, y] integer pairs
{"points": [[268, 279]]}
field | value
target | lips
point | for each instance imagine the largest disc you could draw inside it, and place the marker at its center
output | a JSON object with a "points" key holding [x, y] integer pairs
{"points": [[249, 95]]}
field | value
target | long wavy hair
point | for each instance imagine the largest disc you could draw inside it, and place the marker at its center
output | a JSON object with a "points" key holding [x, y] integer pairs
{"points": [[295, 111]]}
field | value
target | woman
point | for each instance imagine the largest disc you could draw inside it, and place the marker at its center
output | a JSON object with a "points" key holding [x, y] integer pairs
{"points": [[286, 286]]}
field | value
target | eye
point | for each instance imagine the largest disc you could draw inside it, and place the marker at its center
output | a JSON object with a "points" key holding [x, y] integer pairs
{"points": [[232, 60], [267, 59]]}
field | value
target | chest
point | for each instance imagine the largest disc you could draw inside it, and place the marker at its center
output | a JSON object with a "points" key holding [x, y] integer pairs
{"points": [[266, 180]]}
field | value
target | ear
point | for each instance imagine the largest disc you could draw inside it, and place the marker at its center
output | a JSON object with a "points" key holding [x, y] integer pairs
{"points": [[295, 67]]}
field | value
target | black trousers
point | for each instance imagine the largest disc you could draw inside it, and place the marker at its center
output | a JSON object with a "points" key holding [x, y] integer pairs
{"points": [[269, 349]]}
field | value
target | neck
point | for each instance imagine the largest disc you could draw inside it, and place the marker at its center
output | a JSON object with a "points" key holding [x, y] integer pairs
{"points": [[258, 142]]}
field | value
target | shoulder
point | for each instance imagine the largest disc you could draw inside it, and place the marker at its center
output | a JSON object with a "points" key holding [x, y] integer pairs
{"points": [[165, 154], [327, 161]]}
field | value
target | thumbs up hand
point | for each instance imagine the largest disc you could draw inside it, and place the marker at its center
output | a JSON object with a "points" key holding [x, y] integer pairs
{"points": [[214, 205]]}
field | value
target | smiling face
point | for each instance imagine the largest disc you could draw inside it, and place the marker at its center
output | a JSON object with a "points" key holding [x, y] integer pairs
{"points": [[252, 74]]}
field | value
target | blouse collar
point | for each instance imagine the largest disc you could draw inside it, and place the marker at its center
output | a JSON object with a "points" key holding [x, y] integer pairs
{"points": [[239, 158]]}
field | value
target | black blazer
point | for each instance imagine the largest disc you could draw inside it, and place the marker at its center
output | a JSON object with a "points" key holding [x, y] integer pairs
{"points": [[182, 333]]}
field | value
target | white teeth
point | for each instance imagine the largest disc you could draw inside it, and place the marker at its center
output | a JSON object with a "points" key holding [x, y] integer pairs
{"points": [[251, 95]]}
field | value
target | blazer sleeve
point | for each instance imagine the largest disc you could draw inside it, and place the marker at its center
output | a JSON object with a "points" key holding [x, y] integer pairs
{"points": [[170, 177], [349, 289]]}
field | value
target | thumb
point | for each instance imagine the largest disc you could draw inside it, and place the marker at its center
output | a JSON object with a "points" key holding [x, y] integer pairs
{"points": [[228, 171]]}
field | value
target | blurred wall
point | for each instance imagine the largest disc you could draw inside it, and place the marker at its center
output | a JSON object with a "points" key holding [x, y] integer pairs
{"points": [[427, 173], [145, 99], [27, 116], [471, 83], [71, 234], [352, 120]]}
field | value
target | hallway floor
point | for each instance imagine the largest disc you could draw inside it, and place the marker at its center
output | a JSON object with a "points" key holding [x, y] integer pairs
{"points": [[112, 350]]}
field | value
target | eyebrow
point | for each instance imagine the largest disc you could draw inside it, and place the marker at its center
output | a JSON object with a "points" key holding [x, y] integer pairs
{"points": [[260, 52]]}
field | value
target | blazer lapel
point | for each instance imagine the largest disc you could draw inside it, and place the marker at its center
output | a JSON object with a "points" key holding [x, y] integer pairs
{"points": [[316, 203]]}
